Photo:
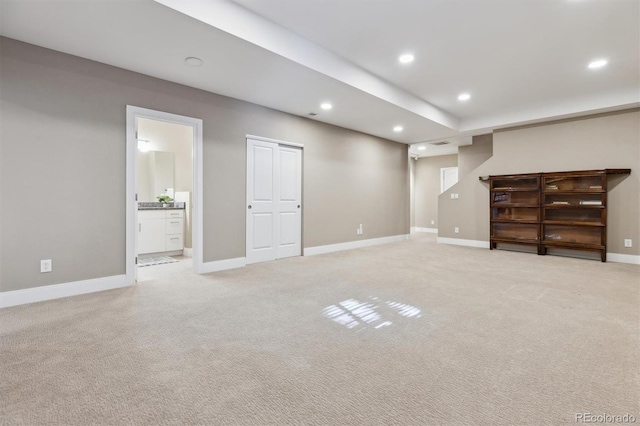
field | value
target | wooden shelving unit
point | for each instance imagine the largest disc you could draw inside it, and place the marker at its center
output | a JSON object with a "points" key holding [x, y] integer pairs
{"points": [[565, 210], [574, 211], [515, 209]]}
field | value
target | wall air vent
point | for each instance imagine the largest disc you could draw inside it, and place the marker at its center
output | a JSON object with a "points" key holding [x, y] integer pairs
{"points": [[439, 143]]}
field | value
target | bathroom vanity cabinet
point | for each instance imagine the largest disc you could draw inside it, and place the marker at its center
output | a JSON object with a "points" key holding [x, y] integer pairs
{"points": [[160, 231]]}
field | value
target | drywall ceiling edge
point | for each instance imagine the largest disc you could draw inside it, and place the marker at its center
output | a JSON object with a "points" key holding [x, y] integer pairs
{"points": [[242, 23]]}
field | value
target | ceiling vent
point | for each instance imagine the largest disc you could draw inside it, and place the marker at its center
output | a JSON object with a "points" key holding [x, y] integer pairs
{"points": [[312, 114], [439, 143]]}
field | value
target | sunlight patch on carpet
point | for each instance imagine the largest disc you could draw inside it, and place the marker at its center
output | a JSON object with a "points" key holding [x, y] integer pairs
{"points": [[352, 313]]}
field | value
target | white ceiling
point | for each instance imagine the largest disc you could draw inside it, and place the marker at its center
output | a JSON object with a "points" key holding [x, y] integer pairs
{"points": [[521, 60]]}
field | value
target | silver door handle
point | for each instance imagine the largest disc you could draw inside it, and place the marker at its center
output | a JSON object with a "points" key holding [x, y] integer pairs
{"points": [[298, 205], [249, 206]]}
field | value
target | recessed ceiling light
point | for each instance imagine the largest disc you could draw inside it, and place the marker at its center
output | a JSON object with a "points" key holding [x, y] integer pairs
{"points": [[464, 97], [422, 148], [406, 58], [192, 61], [597, 63], [326, 105], [398, 129]]}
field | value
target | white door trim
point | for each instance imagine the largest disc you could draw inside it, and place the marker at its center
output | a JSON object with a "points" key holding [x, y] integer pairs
{"points": [[279, 142], [133, 113]]}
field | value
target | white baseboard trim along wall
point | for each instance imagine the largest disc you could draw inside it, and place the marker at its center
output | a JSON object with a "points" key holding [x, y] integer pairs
{"points": [[312, 251], [611, 257], [428, 230], [223, 265], [460, 242], [57, 291], [623, 258]]}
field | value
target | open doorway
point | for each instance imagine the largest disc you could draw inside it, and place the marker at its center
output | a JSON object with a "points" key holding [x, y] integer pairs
{"points": [[164, 187], [164, 169]]}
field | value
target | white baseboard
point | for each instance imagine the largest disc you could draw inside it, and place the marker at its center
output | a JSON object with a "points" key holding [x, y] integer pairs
{"points": [[611, 257], [187, 252], [57, 291], [461, 242], [428, 230], [312, 251], [222, 265], [623, 258]]}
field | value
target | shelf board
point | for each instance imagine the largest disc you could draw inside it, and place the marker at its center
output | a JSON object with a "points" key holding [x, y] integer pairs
{"points": [[567, 244], [513, 241], [570, 223], [516, 190], [617, 171], [574, 191], [528, 205], [573, 206], [530, 222]]}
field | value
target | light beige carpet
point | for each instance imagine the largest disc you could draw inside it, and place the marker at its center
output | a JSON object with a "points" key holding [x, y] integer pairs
{"points": [[475, 337]]}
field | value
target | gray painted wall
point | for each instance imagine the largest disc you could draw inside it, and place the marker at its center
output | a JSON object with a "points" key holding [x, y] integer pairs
{"points": [[589, 143], [427, 188], [471, 156], [63, 168]]}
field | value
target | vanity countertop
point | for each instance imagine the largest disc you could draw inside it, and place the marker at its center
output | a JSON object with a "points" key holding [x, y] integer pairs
{"points": [[160, 206]]}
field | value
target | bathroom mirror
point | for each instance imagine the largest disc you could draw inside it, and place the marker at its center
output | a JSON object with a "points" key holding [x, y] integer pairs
{"points": [[155, 174]]}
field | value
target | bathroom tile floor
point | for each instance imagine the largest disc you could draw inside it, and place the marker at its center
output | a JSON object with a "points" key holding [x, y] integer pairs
{"points": [[183, 267]]}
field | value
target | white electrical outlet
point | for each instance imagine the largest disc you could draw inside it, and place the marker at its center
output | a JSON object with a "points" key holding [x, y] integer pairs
{"points": [[456, 230], [46, 265], [433, 222], [628, 242]]}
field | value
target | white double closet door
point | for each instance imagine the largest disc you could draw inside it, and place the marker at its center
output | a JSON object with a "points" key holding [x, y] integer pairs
{"points": [[274, 201]]}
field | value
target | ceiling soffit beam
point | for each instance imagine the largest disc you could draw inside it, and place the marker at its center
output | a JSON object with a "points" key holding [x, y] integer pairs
{"points": [[574, 107], [242, 23]]}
